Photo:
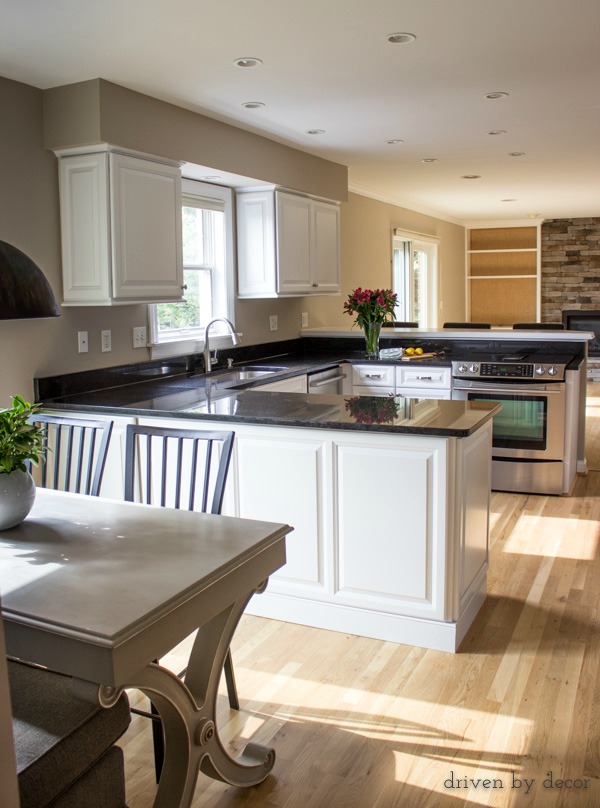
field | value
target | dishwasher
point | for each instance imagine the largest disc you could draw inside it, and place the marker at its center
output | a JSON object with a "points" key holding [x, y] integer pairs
{"points": [[327, 382]]}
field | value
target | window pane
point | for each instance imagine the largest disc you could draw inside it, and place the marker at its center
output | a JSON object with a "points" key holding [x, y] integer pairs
{"points": [[193, 235], [196, 311]]}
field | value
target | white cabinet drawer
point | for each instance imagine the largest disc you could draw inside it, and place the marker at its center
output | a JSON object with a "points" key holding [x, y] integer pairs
{"points": [[424, 377], [373, 376], [365, 390]]}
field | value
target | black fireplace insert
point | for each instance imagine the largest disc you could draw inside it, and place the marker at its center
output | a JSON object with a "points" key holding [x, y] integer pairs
{"points": [[579, 320]]}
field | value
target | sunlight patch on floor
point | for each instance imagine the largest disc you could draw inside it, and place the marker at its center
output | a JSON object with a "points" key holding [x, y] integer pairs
{"points": [[556, 536]]}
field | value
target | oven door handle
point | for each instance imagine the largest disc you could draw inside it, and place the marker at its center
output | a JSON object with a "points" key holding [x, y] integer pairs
{"points": [[507, 388]]}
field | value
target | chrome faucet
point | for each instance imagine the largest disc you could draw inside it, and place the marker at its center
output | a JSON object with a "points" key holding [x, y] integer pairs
{"points": [[208, 359]]}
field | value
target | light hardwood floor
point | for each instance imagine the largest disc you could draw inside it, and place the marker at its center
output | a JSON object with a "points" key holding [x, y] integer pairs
{"points": [[359, 723]]}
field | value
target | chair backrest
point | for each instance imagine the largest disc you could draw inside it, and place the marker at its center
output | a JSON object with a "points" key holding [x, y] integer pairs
{"points": [[75, 453], [467, 325], [540, 326], [177, 468], [399, 324]]}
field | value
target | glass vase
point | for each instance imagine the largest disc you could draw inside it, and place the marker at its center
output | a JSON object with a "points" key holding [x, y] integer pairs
{"points": [[372, 340]]}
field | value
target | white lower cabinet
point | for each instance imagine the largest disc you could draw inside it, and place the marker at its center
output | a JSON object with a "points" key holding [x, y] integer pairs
{"points": [[390, 531]]}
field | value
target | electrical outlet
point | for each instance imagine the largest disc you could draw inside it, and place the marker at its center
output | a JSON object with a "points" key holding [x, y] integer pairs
{"points": [[273, 323], [82, 341], [105, 341], [304, 319], [139, 337]]}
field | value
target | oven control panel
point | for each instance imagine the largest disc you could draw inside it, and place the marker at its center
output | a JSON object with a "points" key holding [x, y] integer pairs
{"points": [[508, 370]]}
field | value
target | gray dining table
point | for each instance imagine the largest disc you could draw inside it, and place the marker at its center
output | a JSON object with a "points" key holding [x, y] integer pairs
{"points": [[98, 589]]}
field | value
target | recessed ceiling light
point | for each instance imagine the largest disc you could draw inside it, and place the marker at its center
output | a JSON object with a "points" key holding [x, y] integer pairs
{"points": [[253, 104], [429, 160], [470, 177], [497, 132], [496, 95], [516, 154], [508, 200], [315, 131], [394, 141], [247, 61], [400, 38]]}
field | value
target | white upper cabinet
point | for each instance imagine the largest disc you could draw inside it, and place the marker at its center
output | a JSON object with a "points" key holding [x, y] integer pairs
{"points": [[288, 245], [121, 229]]}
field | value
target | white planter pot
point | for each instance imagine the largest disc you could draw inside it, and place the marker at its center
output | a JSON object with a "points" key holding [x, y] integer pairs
{"points": [[17, 495]]}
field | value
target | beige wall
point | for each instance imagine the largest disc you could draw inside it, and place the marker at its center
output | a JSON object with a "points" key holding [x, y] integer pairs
{"points": [[29, 219]]}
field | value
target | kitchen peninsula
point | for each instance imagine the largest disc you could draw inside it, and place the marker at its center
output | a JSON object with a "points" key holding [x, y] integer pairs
{"points": [[389, 498]]}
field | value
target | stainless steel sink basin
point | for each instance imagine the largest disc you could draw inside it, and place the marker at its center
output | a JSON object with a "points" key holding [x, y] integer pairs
{"points": [[239, 375]]}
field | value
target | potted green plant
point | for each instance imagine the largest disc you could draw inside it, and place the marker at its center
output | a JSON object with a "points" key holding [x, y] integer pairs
{"points": [[21, 441]]}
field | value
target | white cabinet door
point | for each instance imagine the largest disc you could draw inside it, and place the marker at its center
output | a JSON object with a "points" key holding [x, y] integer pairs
{"points": [[391, 553], [121, 229], [326, 247], [257, 269], [85, 229], [146, 226], [280, 477], [294, 244]]}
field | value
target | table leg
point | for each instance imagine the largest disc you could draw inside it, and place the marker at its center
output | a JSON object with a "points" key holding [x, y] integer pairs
{"points": [[188, 713]]}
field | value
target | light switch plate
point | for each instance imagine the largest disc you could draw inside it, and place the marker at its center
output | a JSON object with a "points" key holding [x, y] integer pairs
{"points": [[273, 322]]}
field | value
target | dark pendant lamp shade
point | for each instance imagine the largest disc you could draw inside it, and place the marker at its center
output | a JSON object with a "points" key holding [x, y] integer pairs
{"points": [[24, 291]]}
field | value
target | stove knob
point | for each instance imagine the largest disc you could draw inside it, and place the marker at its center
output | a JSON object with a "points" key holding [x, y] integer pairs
{"points": [[473, 368], [540, 370], [552, 371], [462, 368]]}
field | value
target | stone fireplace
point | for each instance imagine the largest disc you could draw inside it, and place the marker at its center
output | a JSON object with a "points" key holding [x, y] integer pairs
{"points": [[571, 277]]}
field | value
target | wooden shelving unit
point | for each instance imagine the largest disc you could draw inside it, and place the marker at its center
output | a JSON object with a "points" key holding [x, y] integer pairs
{"points": [[503, 273]]}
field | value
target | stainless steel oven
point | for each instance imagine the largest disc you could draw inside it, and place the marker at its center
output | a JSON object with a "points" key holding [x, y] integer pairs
{"points": [[528, 444]]}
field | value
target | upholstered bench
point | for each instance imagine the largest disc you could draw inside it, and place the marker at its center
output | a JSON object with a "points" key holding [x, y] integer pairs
{"points": [[64, 747]]}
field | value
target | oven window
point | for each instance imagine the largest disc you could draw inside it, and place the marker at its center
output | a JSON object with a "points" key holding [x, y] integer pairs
{"points": [[522, 421]]}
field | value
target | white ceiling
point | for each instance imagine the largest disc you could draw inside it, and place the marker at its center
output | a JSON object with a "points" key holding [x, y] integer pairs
{"points": [[326, 64]]}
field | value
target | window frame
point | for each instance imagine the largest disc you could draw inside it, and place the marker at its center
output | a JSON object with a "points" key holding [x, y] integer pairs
{"points": [[408, 242], [217, 197]]}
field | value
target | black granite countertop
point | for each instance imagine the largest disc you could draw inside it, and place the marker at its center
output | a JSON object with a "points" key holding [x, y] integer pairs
{"points": [[251, 406], [174, 390]]}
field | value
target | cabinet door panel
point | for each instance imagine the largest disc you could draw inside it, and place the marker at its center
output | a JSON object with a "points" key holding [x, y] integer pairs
{"points": [[390, 538], [256, 244], [326, 247], [85, 228], [281, 480], [146, 223], [293, 243]]}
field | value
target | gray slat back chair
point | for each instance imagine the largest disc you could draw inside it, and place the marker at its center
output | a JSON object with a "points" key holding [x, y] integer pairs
{"points": [[185, 469], [75, 456]]}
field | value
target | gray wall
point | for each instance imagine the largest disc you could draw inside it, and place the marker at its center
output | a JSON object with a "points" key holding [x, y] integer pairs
{"points": [[29, 219]]}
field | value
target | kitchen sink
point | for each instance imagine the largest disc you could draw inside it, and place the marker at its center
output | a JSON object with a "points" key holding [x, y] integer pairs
{"points": [[239, 375]]}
